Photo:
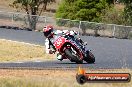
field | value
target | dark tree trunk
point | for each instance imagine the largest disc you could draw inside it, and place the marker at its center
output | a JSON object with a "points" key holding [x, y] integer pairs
{"points": [[33, 17], [32, 21], [45, 5]]}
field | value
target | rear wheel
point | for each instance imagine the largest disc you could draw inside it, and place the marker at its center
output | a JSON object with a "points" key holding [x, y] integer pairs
{"points": [[73, 57], [90, 57]]}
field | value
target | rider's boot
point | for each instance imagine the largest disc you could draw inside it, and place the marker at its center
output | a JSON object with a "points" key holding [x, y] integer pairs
{"points": [[85, 43], [59, 57], [87, 53]]}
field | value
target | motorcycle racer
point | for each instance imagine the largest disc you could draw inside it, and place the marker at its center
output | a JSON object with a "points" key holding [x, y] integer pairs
{"points": [[51, 34]]}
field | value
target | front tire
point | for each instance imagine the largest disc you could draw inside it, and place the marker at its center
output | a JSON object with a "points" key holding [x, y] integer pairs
{"points": [[90, 57], [73, 57]]}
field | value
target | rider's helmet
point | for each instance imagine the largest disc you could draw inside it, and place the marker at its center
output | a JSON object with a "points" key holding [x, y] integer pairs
{"points": [[48, 31]]}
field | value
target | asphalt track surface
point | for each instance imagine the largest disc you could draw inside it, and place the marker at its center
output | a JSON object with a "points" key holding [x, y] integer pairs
{"points": [[109, 52]]}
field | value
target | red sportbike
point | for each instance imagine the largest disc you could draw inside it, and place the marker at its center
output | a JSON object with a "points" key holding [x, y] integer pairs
{"points": [[73, 50]]}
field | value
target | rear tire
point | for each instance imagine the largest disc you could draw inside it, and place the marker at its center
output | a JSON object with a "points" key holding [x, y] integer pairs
{"points": [[90, 57], [72, 57]]}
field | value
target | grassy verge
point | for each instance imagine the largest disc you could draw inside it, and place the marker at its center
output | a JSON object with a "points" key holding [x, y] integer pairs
{"points": [[51, 78], [14, 51]]}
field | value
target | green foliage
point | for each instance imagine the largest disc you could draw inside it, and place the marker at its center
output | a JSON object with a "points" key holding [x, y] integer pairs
{"points": [[85, 10], [65, 10], [110, 1], [128, 14], [128, 11], [126, 1], [113, 16]]}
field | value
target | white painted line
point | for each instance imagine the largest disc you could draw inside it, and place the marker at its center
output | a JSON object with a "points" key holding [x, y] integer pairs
{"points": [[21, 42], [38, 61], [17, 62]]}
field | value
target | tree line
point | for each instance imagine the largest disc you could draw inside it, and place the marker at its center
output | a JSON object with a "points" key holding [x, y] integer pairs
{"points": [[84, 10]]}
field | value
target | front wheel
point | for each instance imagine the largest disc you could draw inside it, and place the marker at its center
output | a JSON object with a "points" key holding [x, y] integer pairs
{"points": [[90, 57], [73, 57]]}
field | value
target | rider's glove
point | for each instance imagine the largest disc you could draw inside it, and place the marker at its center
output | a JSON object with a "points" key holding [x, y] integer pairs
{"points": [[51, 52]]}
